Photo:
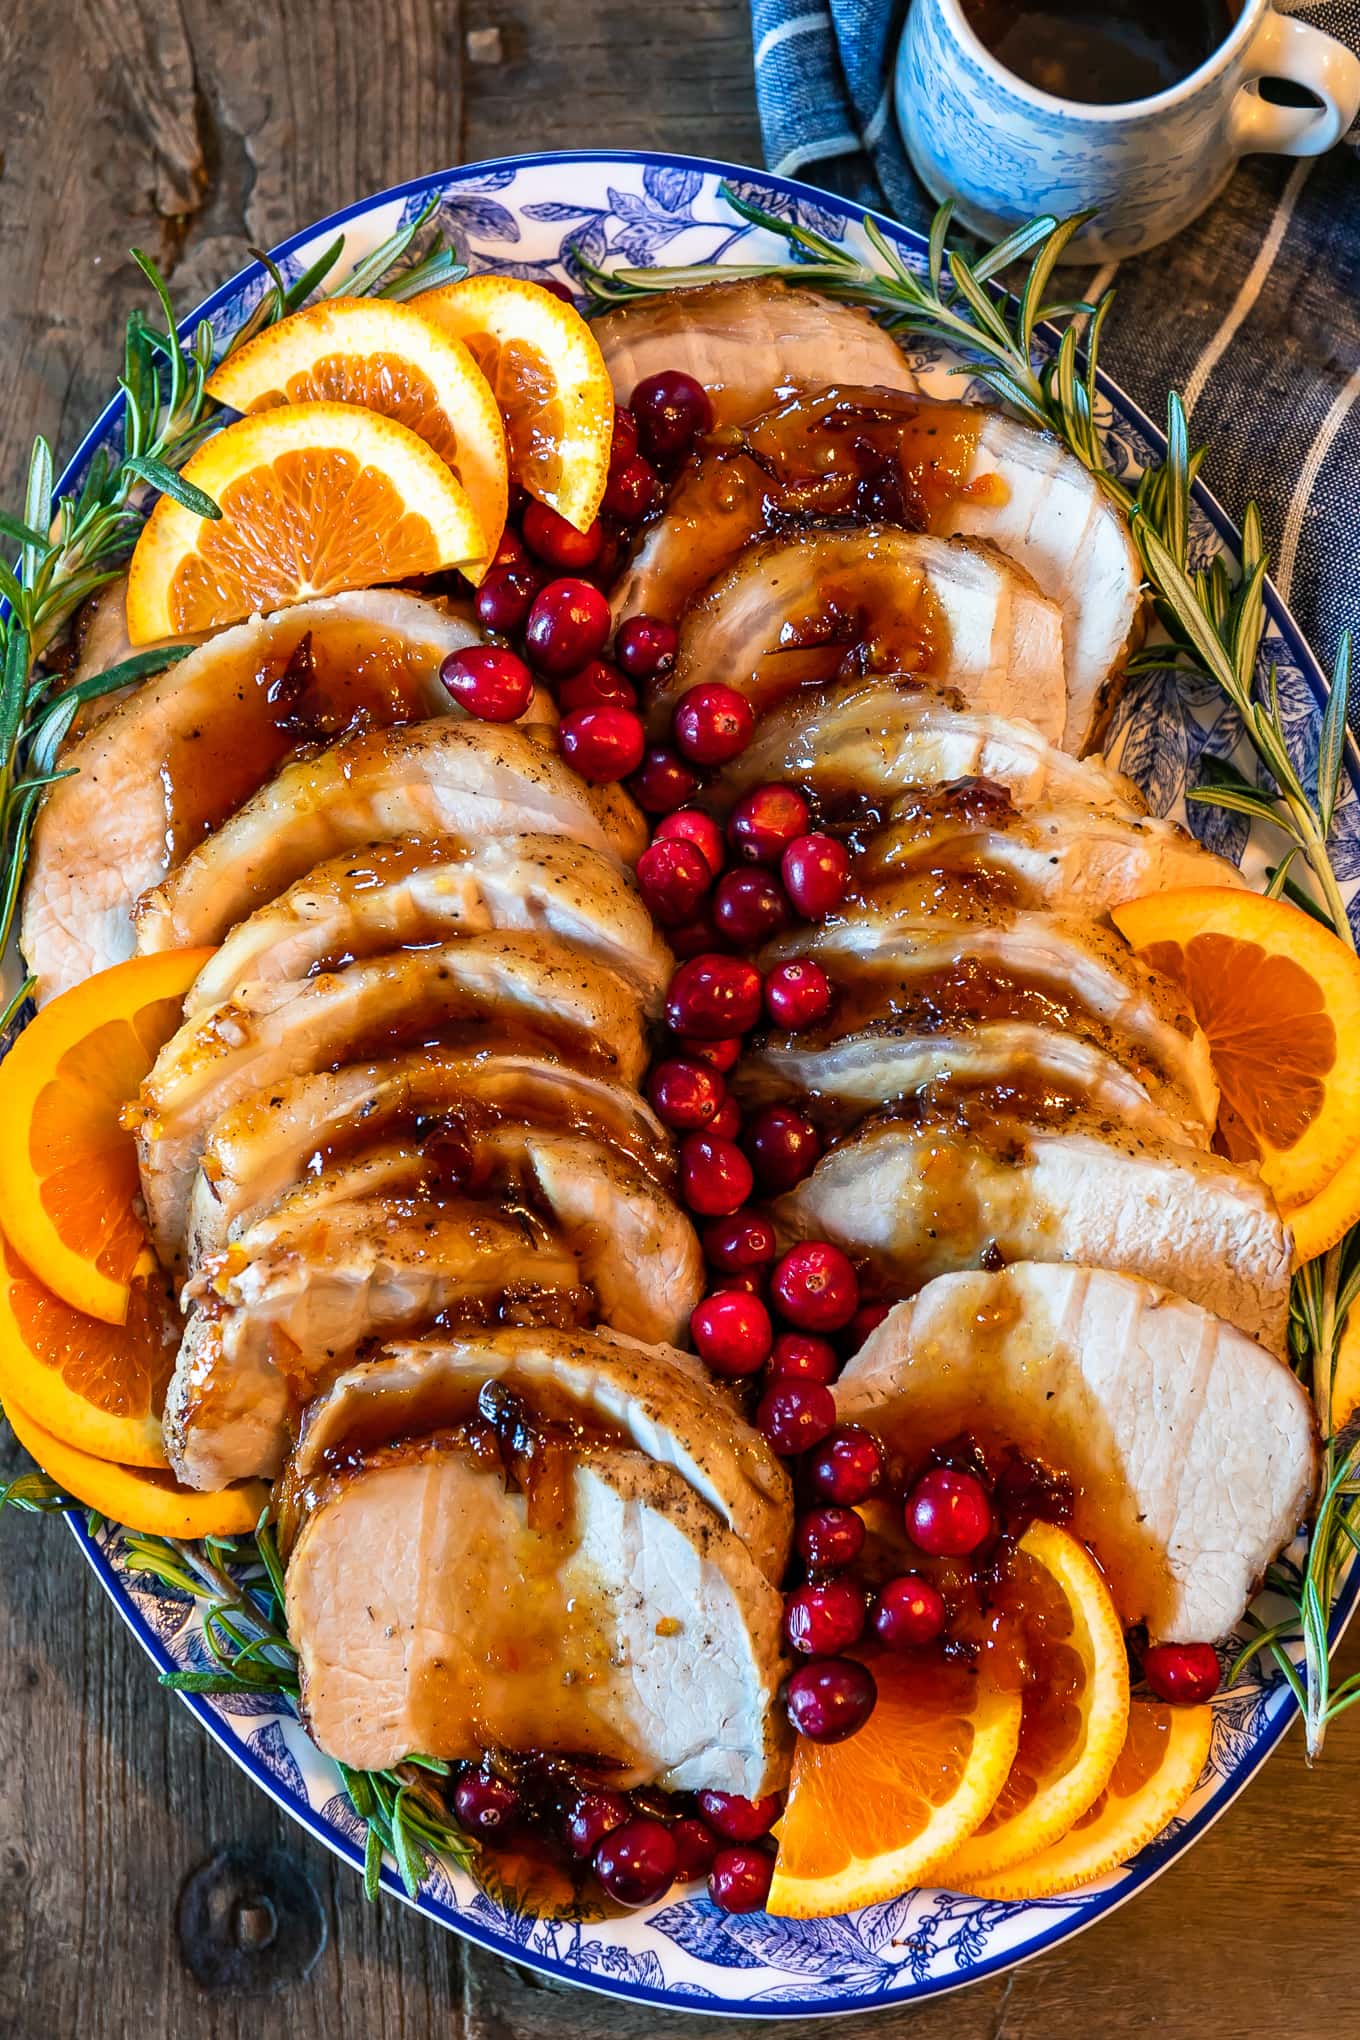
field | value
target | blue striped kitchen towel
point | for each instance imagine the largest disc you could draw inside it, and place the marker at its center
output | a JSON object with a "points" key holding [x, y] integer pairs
{"points": [[1253, 312]]}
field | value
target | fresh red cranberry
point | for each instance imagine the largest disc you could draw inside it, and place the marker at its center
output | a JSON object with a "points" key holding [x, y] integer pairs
{"points": [[557, 289], [664, 781], [724, 1055], [567, 627], [830, 1699], [602, 744], [727, 1119], [636, 1863], [783, 1146], [797, 994], [948, 1513], [693, 827], [715, 1176], [732, 1333], [631, 490], [484, 1803], [712, 723], [645, 647], [685, 1095], [830, 1539], [671, 410], [509, 550], [800, 1356], [713, 997], [743, 1241], [749, 907], [749, 1281], [590, 1815], [624, 440], [908, 1612], [815, 1287], [558, 544], [696, 1846], [815, 870], [824, 1618], [795, 1415], [740, 1879], [695, 938], [761, 827], [505, 598], [737, 1819], [867, 1319], [597, 685], [847, 1466], [1185, 1674], [673, 878], [488, 682]]}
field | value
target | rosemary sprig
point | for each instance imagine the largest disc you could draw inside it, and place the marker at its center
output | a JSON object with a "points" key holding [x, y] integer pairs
{"points": [[72, 545], [246, 1633], [1212, 621]]}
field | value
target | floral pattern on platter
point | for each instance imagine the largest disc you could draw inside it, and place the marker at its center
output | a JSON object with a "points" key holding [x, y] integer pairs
{"points": [[536, 217]]}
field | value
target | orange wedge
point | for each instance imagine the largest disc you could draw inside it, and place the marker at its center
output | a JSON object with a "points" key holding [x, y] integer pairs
{"points": [[1346, 1378], [1076, 1707], [1164, 1753], [873, 1816], [315, 498], [137, 1498], [1278, 996], [68, 1168], [545, 366], [99, 1387], [395, 362]]}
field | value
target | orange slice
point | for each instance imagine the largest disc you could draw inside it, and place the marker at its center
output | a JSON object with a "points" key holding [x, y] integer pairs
{"points": [[68, 1168], [136, 1497], [1346, 1378], [1278, 996], [315, 498], [1076, 1706], [99, 1387], [873, 1816], [545, 366], [392, 361], [1320, 1221], [1164, 1753]]}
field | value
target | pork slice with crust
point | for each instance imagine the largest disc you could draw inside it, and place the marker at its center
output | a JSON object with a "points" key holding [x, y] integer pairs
{"points": [[1192, 1451]]}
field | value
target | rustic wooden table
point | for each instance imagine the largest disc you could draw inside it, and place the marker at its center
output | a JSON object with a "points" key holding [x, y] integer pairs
{"points": [[196, 130]]}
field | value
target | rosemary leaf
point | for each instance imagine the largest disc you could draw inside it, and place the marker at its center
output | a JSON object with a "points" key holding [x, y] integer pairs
{"points": [[164, 478], [1332, 739]]}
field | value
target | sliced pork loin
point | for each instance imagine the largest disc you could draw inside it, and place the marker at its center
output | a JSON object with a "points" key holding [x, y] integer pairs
{"points": [[876, 737], [803, 610], [750, 342], [481, 987], [434, 779], [904, 1058], [920, 1197], [425, 889], [185, 749], [528, 1577], [259, 1148], [1006, 962], [1191, 1450], [1064, 854]]}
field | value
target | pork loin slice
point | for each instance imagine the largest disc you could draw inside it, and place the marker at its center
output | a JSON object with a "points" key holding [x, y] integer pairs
{"points": [[858, 1073], [662, 1402], [920, 1200], [802, 610], [296, 1313], [1191, 1450], [431, 1614], [424, 890], [257, 1149], [876, 737], [750, 343], [481, 986], [1064, 854], [1007, 962], [186, 748], [433, 779]]}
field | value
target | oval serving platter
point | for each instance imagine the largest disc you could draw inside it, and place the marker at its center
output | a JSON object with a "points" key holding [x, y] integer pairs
{"points": [[534, 216]]}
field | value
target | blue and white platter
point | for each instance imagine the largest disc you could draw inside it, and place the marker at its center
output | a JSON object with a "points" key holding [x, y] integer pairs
{"points": [[536, 216]]}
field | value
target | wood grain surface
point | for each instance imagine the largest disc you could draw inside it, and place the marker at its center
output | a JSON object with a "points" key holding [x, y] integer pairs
{"points": [[195, 129]]}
